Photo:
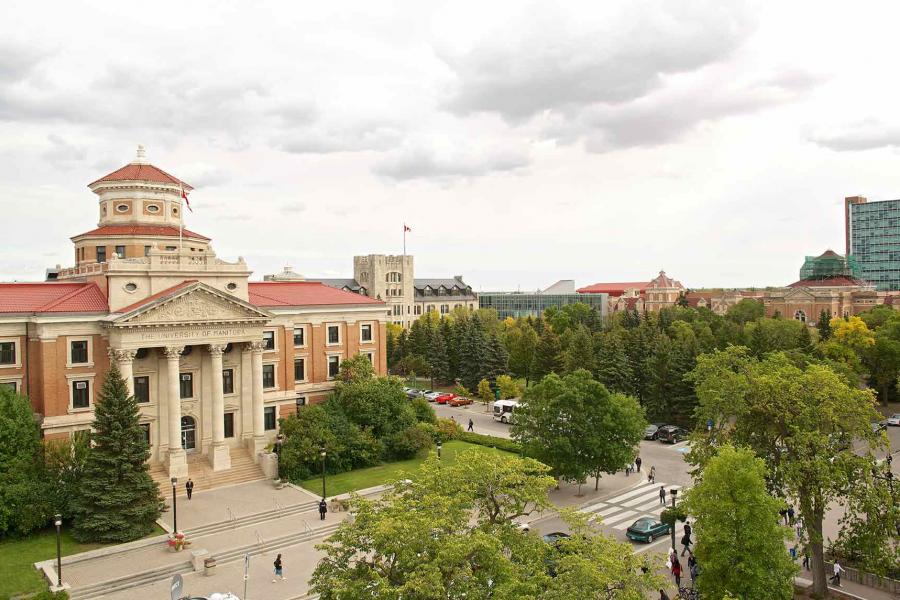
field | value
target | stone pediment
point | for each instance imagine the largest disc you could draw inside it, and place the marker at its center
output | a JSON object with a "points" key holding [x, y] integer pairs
{"points": [[195, 304], [800, 293]]}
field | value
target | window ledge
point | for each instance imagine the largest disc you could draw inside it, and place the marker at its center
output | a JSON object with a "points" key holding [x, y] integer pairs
{"points": [[76, 365], [73, 411]]}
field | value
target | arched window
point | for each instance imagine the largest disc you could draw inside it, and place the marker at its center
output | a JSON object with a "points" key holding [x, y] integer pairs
{"points": [[800, 316]]}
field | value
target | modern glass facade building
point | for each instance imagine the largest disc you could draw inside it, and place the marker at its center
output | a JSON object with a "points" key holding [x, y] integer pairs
{"points": [[873, 240], [518, 304]]}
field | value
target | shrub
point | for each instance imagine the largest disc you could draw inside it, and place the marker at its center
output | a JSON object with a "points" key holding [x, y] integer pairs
{"points": [[508, 387], [461, 390], [490, 441], [409, 442], [431, 430], [423, 410], [448, 429]]}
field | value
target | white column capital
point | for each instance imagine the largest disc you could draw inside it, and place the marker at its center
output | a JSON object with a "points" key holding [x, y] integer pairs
{"points": [[256, 346], [173, 351], [121, 356], [216, 349]]}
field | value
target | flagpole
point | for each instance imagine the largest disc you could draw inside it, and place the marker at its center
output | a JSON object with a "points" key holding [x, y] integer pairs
{"points": [[404, 239], [181, 226]]}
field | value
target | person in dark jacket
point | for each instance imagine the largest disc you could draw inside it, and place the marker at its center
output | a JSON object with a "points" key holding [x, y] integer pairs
{"points": [[278, 571], [637, 464], [189, 486], [471, 425], [662, 494], [323, 508], [686, 540], [663, 595]]}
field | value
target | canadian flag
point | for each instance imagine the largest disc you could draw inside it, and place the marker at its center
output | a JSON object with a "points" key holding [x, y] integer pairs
{"points": [[186, 201], [405, 228]]}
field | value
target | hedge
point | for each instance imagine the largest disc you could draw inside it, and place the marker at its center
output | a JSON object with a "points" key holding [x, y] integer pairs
{"points": [[490, 441]]}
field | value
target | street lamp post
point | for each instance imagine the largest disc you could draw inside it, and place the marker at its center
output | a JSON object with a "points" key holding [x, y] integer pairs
{"points": [[439, 446], [322, 454], [174, 505], [57, 520], [673, 493]]}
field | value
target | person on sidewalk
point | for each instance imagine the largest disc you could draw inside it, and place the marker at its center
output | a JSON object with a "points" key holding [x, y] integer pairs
{"points": [[790, 514], [278, 572], [471, 425], [686, 540], [663, 595], [637, 463], [628, 469], [189, 486], [676, 571], [805, 563], [662, 494], [323, 508], [652, 476], [693, 569], [836, 578]]}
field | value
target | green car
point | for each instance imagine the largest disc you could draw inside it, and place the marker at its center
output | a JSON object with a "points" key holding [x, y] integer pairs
{"points": [[646, 529]]}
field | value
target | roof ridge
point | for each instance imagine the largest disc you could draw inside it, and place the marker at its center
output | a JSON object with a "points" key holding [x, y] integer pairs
{"points": [[77, 291]]}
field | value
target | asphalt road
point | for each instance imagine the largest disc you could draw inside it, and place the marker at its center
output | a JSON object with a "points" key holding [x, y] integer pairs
{"points": [[483, 422]]}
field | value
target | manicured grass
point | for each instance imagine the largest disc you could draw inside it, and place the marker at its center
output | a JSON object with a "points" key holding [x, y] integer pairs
{"points": [[372, 476], [17, 558]]}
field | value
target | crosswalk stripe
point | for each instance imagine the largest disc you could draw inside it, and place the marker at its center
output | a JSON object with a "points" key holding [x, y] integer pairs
{"points": [[650, 507], [643, 487], [626, 516], [609, 511], [592, 507], [642, 499]]}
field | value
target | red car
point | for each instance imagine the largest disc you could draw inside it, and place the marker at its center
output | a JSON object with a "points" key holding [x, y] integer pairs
{"points": [[445, 398], [459, 401]]}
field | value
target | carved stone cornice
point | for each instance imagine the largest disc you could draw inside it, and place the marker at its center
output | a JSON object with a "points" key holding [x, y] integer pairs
{"points": [[216, 349], [173, 351], [256, 346], [122, 356]]}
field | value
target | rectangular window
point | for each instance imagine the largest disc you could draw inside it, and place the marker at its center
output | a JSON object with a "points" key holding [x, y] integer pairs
{"points": [[229, 425], [187, 385], [101, 254], [79, 352], [120, 251], [146, 250], [7, 353], [145, 429], [398, 310], [334, 334], [228, 381], [10, 385], [299, 369], [268, 376], [418, 310], [371, 356], [269, 340], [301, 401], [365, 333], [299, 339], [171, 248], [269, 421], [142, 389], [334, 366], [81, 394]]}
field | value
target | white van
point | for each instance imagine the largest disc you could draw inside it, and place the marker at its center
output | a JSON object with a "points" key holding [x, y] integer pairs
{"points": [[505, 410]]}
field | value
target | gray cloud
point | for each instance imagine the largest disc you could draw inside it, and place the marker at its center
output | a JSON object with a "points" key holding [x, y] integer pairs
{"points": [[423, 162], [864, 135], [327, 140], [292, 208], [62, 153], [621, 59]]}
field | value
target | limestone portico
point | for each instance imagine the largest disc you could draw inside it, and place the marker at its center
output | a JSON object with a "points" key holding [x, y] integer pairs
{"points": [[212, 358]]}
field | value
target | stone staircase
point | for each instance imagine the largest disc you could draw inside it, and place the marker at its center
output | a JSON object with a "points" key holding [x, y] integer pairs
{"points": [[242, 470]]}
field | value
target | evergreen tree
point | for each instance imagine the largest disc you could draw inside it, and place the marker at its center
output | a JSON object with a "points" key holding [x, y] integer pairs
{"points": [[451, 344], [824, 325], [497, 360], [473, 355], [390, 348], [117, 500], [438, 363], [613, 368], [662, 380], [547, 355], [520, 342], [402, 347], [579, 353]]}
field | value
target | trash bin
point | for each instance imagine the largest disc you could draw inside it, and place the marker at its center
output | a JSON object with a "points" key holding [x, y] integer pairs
{"points": [[209, 566]]}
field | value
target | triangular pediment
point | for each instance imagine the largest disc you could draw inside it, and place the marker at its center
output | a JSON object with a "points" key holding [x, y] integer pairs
{"points": [[799, 293], [194, 304]]}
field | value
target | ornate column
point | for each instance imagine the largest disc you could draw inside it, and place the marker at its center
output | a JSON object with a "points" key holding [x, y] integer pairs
{"points": [[177, 458], [259, 429], [125, 360], [219, 455]]}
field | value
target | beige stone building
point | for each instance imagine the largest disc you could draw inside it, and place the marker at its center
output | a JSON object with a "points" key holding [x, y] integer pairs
{"points": [[212, 358]]}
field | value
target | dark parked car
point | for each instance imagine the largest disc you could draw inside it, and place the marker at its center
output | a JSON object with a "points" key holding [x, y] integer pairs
{"points": [[670, 434], [552, 538], [646, 529], [652, 430]]}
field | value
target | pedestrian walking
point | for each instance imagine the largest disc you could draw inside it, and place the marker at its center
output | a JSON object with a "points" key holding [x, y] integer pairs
{"points": [[790, 514], [836, 578], [278, 572], [189, 486], [323, 508], [805, 563], [693, 569], [686, 539], [471, 425], [793, 552], [676, 571], [637, 462], [662, 494], [663, 595], [783, 514], [627, 470], [652, 477]]}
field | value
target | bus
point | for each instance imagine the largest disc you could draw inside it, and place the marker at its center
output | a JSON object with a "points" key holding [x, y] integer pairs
{"points": [[505, 410]]}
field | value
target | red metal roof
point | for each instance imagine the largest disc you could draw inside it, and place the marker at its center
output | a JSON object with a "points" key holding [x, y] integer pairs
{"points": [[272, 294], [52, 297], [137, 230], [613, 289], [142, 172], [829, 282], [156, 296]]}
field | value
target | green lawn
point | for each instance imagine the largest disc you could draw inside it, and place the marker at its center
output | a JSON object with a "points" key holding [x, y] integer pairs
{"points": [[17, 558], [372, 476]]}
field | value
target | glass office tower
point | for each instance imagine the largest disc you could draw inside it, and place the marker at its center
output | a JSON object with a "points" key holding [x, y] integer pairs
{"points": [[517, 304], [873, 240]]}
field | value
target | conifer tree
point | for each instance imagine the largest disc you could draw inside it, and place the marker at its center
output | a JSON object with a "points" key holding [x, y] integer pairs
{"points": [[438, 362], [117, 501], [824, 325], [547, 354], [579, 353], [497, 360], [613, 368], [451, 344], [473, 354]]}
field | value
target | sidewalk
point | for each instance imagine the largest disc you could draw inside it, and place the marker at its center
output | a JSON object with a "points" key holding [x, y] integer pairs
{"points": [[848, 587]]}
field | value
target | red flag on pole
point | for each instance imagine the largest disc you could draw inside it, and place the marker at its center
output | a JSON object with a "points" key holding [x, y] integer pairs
{"points": [[405, 228], [186, 201]]}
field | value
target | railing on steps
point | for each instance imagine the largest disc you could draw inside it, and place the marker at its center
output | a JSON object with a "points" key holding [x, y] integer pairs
{"points": [[231, 517], [259, 540]]}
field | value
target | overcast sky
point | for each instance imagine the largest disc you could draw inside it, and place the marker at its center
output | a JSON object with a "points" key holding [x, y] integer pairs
{"points": [[522, 143]]}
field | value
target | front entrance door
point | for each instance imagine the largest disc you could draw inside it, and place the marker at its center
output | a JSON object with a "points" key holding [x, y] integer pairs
{"points": [[188, 434]]}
